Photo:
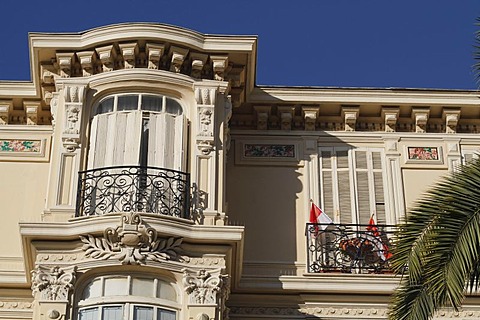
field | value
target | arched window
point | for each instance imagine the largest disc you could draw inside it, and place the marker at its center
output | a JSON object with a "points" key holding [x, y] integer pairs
{"points": [[127, 298], [137, 129]]}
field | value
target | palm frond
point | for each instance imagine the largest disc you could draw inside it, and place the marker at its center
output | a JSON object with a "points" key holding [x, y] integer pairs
{"points": [[437, 247]]}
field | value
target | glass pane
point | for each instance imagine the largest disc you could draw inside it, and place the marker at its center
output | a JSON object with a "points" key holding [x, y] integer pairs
{"points": [[142, 313], [142, 287], [173, 107], [105, 106], [166, 315], [112, 313], [128, 102], [88, 314], [152, 103], [93, 290], [116, 287], [166, 291]]}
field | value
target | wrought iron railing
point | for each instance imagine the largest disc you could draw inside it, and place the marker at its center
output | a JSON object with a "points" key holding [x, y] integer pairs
{"points": [[348, 248], [133, 188]]}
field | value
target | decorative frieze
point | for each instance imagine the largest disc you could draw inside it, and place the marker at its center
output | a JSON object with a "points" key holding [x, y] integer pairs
{"points": [[451, 118], [21, 146], [269, 150], [420, 117], [132, 242], [54, 284], [6, 107], [205, 287]]}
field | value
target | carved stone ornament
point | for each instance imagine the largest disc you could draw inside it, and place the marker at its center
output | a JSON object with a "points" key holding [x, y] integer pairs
{"points": [[72, 115], [54, 108], [204, 288], [5, 109], [310, 118], [132, 242], [205, 96], [54, 284], [205, 147], [205, 116], [420, 117]]}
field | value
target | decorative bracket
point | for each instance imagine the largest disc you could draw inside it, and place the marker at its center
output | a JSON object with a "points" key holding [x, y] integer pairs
{"points": [[198, 62], [310, 116], [286, 117], [177, 57], [220, 64], [263, 113], [350, 116], [390, 116], [154, 53], [32, 109], [420, 116], [107, 56], [451, 117], [6, 107], [129, 52], [64, 61], [87, 62]]}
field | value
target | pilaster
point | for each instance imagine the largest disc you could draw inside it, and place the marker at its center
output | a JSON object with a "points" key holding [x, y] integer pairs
{"points": [[67, 107], [211, 136], [394, 203]]}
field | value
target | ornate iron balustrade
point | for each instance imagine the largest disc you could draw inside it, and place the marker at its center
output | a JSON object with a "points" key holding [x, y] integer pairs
{"points": [[348, 248], [133, 188]]}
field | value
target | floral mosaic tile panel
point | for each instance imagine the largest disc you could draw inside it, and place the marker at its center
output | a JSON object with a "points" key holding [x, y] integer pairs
{"points": [[20, 146], [423, 153], [269, 151]]}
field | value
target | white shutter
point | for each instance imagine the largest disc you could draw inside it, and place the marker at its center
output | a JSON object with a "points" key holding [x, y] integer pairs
{"points": [[327, 189], [165, 145], [115, 139]]}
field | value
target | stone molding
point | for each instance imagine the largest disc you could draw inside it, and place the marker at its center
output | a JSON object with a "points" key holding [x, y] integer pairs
{"points": [[132, 242], [54, 284]]}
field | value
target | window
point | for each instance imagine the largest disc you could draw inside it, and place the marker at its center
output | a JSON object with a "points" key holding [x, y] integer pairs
{"points": [[352, 184], [137, 129], [128, 298]]}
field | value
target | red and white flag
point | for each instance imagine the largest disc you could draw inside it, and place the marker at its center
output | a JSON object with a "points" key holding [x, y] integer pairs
{"points": [[318, 216], [382, 249]]}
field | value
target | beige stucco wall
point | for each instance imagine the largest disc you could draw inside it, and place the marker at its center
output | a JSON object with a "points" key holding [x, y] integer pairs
{"points": [[23, 186], [418, 181]]}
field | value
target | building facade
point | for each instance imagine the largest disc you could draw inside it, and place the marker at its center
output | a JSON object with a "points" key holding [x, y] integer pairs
{"points": [[145, 175]]}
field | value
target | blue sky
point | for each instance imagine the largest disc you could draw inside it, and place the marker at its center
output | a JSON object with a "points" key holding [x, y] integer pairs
{"points": [[355, 43]]}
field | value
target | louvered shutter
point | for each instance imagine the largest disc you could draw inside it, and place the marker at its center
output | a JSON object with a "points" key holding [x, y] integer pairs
{"points": [[165, 141], [327, 189], [344, 207]]}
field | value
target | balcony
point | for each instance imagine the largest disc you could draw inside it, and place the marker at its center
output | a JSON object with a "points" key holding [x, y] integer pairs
{"points": [[348, 248], [133, 188]]}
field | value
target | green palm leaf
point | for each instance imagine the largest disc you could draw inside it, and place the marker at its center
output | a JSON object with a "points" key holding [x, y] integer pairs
{"points": [[437, 247]]}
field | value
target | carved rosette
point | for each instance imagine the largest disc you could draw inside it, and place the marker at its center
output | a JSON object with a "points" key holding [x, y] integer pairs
{"points": [[54, 284], [74, 95], [206, 287], [132, 242]]}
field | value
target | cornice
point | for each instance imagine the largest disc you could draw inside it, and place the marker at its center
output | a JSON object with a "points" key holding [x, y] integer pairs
{"points": [[365, 96], [14, 89], [136, 31]]}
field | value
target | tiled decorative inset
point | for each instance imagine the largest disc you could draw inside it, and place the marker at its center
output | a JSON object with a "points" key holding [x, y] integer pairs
{"points": [[269, 151], [423, 153], [33, 146]]}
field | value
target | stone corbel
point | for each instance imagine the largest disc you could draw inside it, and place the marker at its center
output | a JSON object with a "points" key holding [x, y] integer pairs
{"points": [[154, 53], [420, 116], [451, 116], [198, 63], [310, 116], [390, 117], [32, 108], [177, 57], [205, 96], [86, 59], [350, 116], [219, 64], [64, 62], [286, 116], [74, 95], [107, 56], [263, 114], [6, 106], [129, 52]]}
